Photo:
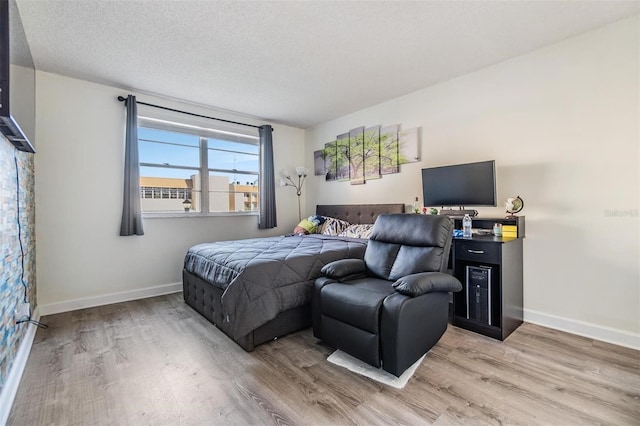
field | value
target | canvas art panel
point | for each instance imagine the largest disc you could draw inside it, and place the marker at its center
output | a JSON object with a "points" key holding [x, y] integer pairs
{"points": [[356, 156], [342, 156], [389, 155], [408, 146], [318, 163], [372, 153], [330, 164]]}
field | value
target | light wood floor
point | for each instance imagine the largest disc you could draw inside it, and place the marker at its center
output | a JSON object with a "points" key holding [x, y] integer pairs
{"points": [[156, 361]]}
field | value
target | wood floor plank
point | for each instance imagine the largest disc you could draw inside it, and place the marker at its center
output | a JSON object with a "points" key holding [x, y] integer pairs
{"points": [[157, 362]]}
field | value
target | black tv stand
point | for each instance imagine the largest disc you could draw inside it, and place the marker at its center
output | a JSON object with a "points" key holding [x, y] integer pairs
{"points": [[458, 213], [490, 269]]}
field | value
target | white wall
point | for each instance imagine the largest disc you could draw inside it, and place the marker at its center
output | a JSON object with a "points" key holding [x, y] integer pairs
{"points": [[562, 124], [80, 132]]}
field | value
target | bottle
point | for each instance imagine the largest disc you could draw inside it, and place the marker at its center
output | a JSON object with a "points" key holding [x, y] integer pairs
{"points": [[416, 206], [466, 226]]}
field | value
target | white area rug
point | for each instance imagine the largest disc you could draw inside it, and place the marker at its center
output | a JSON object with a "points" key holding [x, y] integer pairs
{"points": [[378, 374]]}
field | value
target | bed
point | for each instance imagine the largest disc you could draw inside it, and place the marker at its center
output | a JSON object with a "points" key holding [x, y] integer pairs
{"points": [[255, 290]]}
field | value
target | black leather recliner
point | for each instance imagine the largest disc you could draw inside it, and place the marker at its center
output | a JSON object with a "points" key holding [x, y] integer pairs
{"points": [[392, 307]]}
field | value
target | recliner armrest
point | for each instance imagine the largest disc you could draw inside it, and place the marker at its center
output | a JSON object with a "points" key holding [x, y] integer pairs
{"points": [[426, 282], [343, 268]]}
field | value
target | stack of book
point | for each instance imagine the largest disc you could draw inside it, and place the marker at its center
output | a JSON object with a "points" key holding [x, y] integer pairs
{"points": [[510, 231]]}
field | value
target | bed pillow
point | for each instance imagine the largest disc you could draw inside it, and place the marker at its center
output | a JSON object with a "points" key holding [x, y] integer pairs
{"points": [[357, 231], [305, 227], [333, 226], [310, 225]]}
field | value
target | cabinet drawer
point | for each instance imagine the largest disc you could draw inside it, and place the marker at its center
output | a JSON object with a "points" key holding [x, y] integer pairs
{"points": [[477, 251]]}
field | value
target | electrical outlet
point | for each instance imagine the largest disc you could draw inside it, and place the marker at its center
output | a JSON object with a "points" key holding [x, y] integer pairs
{"points": [[23, 310]]}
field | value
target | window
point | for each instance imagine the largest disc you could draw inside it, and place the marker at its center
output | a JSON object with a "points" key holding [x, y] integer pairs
{"points": [[175, 157]]}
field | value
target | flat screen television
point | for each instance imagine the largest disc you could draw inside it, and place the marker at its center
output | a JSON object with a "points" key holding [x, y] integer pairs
{"points": [[471, 184], [17, 80]]}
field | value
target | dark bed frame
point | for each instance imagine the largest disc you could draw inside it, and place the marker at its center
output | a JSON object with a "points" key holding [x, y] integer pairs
{"points": [[206, 298]]}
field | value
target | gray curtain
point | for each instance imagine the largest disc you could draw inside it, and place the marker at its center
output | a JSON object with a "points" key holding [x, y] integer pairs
{"points": [[267, 187], [131, 213]]}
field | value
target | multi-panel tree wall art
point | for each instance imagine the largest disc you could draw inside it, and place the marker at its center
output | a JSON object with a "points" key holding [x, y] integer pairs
{"points": [[364, 154]]}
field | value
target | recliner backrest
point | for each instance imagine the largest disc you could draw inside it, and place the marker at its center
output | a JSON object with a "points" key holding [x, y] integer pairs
{"points": [[404, 244]]}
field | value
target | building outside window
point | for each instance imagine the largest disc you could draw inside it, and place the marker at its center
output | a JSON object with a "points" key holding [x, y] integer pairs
{"points": [[175, 157]]}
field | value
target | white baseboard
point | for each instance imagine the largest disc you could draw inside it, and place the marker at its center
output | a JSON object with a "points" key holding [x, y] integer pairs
{"points": [[17, 368], [107, 299], [593, 331]]}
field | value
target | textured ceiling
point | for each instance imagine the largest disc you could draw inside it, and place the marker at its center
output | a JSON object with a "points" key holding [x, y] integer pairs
{"points": [[296, 63]]}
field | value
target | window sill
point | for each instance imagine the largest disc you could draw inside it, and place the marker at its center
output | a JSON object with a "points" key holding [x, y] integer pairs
{"points": [[164, 215]]}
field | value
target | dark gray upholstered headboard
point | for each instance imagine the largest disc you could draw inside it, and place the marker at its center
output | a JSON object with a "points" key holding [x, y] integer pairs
{"points": [[358, 213]]}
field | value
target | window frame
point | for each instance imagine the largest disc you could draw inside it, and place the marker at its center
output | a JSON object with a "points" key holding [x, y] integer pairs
{"points": [[204, 133]]}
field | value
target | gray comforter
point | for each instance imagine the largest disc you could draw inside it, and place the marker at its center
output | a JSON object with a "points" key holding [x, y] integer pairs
{"points": [[262, 277]]}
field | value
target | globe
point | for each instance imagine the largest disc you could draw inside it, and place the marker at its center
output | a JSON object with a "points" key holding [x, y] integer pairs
{"points": [[514, 205]]}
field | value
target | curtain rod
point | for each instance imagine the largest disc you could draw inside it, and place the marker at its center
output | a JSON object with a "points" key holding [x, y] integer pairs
{"points": [[123, 99]]}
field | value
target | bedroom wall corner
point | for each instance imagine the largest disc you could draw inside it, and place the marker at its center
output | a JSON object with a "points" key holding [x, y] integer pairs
{"points": [[16, 202]]}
